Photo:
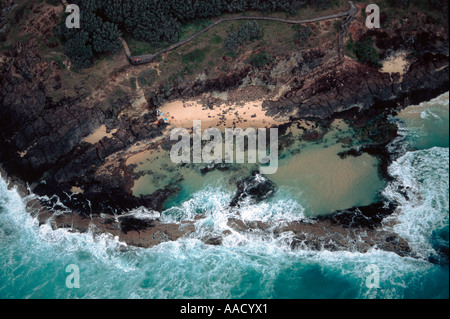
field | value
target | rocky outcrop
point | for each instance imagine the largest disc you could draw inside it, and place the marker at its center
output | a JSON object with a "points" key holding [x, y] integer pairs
{"points": [[323, 235], [351, 85], [319, 234], [42, 142], [253, 189]]}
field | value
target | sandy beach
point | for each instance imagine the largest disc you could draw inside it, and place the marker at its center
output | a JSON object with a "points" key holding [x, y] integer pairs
{"points": [[251, 114]]}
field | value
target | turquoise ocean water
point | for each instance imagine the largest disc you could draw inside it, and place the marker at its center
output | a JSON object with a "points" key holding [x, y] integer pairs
{"points": [[33, 259]]}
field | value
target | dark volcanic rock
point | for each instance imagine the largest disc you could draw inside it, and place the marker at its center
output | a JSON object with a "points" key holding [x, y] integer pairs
{"points": [[369, 216], [254, 188], [42, 141], [213, 241], [351, 85], [322, 234], [352, 152], [129, 223]]}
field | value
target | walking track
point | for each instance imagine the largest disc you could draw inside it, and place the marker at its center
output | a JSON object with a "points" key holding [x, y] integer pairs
{"points": [[147, 58]]}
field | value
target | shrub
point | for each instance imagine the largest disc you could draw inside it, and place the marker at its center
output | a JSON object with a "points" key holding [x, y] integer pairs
{"points": [[260, 59], [79, 50], [195, 56], [303, 33], [249, 31], [320, 4], [147, 77], [160, 21], [367, 54]]}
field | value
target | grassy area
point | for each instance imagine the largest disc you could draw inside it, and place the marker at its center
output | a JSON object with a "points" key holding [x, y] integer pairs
{"points": [[17, 19], [139, 47], [217, 34], [147, 77], [195, 56], [260, 59], [204, 53], [207, 51], [192, 27]]}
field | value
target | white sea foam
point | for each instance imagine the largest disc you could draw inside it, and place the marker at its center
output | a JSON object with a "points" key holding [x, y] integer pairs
{"points": [[246, 265], [423, 176]]}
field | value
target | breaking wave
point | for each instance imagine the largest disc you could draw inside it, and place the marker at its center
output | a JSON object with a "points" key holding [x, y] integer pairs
{"points": [[34, 257]]}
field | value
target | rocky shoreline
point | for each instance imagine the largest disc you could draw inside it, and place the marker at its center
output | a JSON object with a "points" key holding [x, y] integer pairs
{"points": [[42, 143], [355, 229]]}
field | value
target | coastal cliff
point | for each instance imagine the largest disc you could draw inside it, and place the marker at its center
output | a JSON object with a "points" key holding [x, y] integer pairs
{"points": [[46, 144]]}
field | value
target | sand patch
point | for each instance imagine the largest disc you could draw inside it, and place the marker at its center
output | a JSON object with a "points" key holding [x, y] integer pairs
{"points": [[76, 190], [397, 63], [99, 134]]}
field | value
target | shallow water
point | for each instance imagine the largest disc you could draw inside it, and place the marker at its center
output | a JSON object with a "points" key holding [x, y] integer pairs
{"points": [[33, 259], [310, 172]]}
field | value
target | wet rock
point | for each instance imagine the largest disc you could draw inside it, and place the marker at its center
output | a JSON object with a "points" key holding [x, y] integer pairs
{"points": [[352, 152], [129, 223], [350, 85], [253, 189], [369, 216], [214, 241]]}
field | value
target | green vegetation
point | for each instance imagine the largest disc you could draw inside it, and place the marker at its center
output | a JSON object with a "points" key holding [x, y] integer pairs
{"points": [[193, 27], [337, 25], [59, 59], [350, 47], [195, 56], [248, 32], [95, 36], [133, 83], [217, 39], [303, 33], [260, 59], [54, 2], [153, 21], [79, 50], [367, 54], [363, 51], [146, 77], [320, 4]]}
